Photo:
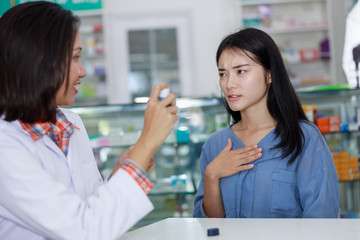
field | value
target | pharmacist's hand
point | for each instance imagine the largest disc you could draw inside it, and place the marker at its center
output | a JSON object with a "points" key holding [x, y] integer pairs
{"points": [[229, 162], [151, 165], [159, 119], [124, 155]]}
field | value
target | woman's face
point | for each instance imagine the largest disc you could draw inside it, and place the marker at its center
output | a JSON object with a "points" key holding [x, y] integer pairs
{"points": [[243, 82], [77, 72]]}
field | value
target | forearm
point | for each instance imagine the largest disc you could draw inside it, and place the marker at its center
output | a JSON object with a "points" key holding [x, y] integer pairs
{"points": [[142, 153], [212, 200]]}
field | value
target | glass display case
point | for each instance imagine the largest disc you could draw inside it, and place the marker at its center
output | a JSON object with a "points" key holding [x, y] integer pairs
{"points": [[342, 104], [114, 128]]}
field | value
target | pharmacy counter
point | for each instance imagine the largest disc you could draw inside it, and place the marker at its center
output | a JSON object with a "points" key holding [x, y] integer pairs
{"points": [[249, 229]]}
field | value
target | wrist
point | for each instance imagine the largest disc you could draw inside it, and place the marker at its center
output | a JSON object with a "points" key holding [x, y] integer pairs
{"points": [[142, 153], [135, 164], [211, 174]]}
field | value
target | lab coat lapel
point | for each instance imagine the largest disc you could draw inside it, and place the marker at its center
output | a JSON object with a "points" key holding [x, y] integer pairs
{"points": [[51, 145]]}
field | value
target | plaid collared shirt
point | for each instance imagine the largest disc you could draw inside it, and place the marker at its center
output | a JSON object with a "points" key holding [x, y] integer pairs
{"points": [[138, 176], [59, 132]]}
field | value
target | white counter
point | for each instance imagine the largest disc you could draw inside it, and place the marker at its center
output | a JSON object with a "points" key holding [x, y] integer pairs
{"points": [[248, 229]]}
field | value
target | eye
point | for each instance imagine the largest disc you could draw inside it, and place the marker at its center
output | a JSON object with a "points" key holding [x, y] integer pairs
{"points": [[240, 71], [78, 55], [222, 74]]}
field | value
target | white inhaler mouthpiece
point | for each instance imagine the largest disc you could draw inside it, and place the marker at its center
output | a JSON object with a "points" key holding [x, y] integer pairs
{"points": [[164, 93]]}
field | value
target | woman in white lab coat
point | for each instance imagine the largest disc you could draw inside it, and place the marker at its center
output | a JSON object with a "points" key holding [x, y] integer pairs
{"points": [[50, 187]]}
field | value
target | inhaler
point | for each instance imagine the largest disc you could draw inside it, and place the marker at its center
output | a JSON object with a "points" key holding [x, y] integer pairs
{"points": [[164, 93]]}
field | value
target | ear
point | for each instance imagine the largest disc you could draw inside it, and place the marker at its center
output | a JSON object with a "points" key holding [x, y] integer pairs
{"points": [[268, 77]]}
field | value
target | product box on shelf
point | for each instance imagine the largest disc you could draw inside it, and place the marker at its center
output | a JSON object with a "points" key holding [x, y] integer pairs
{"points": [[347, 167]]}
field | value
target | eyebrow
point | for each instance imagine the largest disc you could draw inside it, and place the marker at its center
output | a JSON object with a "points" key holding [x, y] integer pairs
{"points": [[235, 67], [78, 48]]}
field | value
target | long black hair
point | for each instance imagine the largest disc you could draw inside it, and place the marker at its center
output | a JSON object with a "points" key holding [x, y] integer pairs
{"points": [[36, 44], [282, 101]]}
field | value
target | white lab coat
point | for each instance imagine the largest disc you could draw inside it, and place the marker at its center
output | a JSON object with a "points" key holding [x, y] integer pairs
{"points": [[352, 39], [44, 195]]}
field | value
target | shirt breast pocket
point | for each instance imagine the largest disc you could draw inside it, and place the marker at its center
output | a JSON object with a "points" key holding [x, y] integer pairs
{"points": [[285, 198]]}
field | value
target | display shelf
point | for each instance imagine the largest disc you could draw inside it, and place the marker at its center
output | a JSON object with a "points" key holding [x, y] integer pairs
{"points": [[301, 30], [306, 62], [343, 132], [181, 184], [83, 102], [342, 101], [104, 143], [93, 90], [320, 95], [296, 29], [258, 2]]}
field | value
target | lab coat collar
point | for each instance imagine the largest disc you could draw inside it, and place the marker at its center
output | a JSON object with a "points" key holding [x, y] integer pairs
{"points": [[46, 140]]}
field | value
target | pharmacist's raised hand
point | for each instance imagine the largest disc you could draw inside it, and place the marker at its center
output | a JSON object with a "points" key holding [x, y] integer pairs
{"points": [[123, 156], [159, 119], [160, 116], [151, 165], [229, 162]]}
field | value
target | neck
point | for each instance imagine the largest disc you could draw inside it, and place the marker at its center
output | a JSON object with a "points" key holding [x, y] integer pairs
{"points": [[255, 122]]}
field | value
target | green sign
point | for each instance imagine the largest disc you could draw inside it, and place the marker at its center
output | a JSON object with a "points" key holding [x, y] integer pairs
{"points": [[4, 5], [73, 5], [63, 3], [80, 5]]}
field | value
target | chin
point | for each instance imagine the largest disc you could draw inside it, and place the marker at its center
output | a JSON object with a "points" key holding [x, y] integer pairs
{"points": [[67, 103], [70, 103], [234, 107]]}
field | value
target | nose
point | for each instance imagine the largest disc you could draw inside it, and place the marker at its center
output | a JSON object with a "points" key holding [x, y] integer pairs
{"points": [[82, 71], [231, 82]]}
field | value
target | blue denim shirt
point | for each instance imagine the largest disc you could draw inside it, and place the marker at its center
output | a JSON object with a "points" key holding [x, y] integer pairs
{"points": [[306, 189]]}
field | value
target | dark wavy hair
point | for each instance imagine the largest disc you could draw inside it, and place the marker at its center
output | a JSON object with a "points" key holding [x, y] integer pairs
{"points": [[36, 44], [282, 101]]}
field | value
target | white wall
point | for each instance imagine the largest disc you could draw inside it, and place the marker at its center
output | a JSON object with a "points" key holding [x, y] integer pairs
{"points": [[211, 21], [337, 17]]}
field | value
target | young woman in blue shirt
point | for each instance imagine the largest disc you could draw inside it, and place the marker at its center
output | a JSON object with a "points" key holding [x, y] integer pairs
{"points": [[271, 162]]}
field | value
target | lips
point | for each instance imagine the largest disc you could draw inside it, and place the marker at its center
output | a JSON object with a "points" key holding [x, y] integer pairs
{"points": [[76, 87], [234, 97]]}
